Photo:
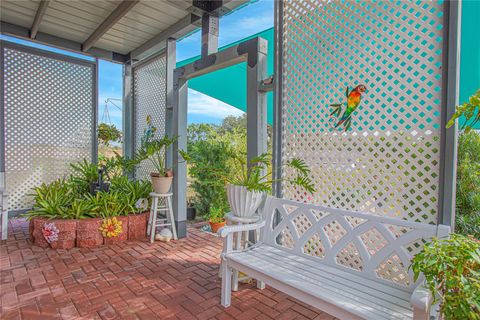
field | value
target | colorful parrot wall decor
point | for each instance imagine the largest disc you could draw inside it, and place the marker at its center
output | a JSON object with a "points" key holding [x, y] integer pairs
{"points": [[149, 131], [353, 101]]}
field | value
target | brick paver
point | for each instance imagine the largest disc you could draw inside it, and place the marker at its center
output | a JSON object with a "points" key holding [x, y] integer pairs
{"points": [[135, 280]]}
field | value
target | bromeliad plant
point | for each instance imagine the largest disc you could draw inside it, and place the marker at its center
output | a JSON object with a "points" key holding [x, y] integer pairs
{"points": [[256, 175], [452, 272]]}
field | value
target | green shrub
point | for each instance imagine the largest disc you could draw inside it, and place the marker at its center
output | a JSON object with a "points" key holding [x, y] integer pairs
{"points": [[209, 157], [452, 272], [468, 184]]}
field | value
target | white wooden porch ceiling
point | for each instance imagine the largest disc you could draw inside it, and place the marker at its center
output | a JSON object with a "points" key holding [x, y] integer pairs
{"points": [[76, 20]]}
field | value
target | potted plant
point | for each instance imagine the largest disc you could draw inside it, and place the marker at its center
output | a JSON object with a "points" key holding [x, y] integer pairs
{"points": [[154, 150], [246, 190], [451, 268], [191, 211], [216, 217]]}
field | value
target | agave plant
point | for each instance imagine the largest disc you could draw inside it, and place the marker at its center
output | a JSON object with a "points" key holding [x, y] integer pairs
{"points": [[256, 174]]}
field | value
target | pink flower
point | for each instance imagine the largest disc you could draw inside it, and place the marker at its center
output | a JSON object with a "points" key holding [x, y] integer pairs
{"points": [[50, 232]]}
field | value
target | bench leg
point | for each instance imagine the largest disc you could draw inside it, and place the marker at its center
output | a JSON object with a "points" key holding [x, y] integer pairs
{"points": [[419, 314], [226, 284], [260, 285]]}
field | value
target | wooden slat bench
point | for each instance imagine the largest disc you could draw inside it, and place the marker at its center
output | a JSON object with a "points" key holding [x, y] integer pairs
{"points": [[352, 265]]}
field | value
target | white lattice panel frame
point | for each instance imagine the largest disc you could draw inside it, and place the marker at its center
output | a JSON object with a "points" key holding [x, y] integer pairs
{"points": [[386, 260], [388, 162], [150, 98], [49, 114]]}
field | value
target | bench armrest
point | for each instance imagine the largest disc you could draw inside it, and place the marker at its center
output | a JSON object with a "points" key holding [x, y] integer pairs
{"points": [[227, 233], [224, 231], [421, 301]]}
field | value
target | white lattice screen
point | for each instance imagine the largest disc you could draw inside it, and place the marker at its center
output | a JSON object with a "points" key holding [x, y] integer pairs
{"points": [[49, 105], [387, 161], [149, 85]]}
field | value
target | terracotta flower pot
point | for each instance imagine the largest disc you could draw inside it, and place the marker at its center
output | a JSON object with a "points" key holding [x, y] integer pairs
{"points": [[137, 226], [122, 236], [67, 233], [217, 225], [37, 234], [88, 233], [161, 184]]}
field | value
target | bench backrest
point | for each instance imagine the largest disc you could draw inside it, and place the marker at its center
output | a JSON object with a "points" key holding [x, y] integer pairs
{"points": [[375, 247]]}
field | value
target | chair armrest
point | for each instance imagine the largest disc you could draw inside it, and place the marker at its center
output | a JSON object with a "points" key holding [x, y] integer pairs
{"points": [[224, 231], [421, 301]]}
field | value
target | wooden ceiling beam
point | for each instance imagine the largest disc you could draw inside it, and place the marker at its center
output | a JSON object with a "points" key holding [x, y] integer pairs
{"points": [[117, 14]]}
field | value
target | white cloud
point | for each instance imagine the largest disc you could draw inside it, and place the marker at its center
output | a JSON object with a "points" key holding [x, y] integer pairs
{"points": [[199, 103]]}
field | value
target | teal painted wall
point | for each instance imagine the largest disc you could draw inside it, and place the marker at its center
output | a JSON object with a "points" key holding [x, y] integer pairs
{"points": [[470, 50]]}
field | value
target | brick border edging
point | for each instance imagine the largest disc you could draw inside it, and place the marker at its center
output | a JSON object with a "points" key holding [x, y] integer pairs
{"points": [[85, 233]]}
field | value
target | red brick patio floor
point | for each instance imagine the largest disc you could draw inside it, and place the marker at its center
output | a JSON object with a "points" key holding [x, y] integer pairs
{"points": [[135, 280]]}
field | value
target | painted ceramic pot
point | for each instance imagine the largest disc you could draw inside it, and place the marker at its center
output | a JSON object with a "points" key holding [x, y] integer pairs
{"points": [[243, 203]]}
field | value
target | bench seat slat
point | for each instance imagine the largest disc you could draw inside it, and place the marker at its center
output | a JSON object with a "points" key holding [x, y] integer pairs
{"points": [[277, 264], [371, 287]]}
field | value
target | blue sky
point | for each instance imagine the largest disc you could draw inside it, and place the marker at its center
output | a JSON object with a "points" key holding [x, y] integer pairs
{"points": [[242, 23]]}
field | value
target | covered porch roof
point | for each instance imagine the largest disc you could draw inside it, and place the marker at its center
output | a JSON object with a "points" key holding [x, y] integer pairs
{"points": [[115, 30]]}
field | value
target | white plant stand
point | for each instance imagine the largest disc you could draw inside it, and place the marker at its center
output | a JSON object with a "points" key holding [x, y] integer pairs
{"points": [[161, 202], [242, 242]]}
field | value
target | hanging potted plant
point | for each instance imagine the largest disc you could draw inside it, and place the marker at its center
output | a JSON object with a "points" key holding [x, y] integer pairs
{"points": [[246, 190], [154, 150]]}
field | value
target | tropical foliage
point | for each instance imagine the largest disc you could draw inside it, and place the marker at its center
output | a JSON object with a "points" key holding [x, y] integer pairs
{"points": [[71, 198], [256, 176], [209, 147], [468, 184], [470, 110], [452, 272]]}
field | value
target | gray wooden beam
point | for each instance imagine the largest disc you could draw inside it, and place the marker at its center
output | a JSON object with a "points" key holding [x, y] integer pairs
{"points": [[209, 34], [42, 8], [117, 14], [60, 43], [256, 100], [128, 111], [278, 101], [180, 168], [170, 69], [451, 76]]}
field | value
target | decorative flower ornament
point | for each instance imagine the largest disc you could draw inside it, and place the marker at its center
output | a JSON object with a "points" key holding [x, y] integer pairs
{"points": [[50, 232], [111, 227]]}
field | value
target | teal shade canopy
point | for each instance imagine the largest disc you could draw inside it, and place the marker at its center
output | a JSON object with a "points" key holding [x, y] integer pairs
{"points": [[230, 84]]}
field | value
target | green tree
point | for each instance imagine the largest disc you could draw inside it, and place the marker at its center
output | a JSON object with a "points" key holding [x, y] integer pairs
{"points": [[108, 133], [470, 110], [468, 184]]}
